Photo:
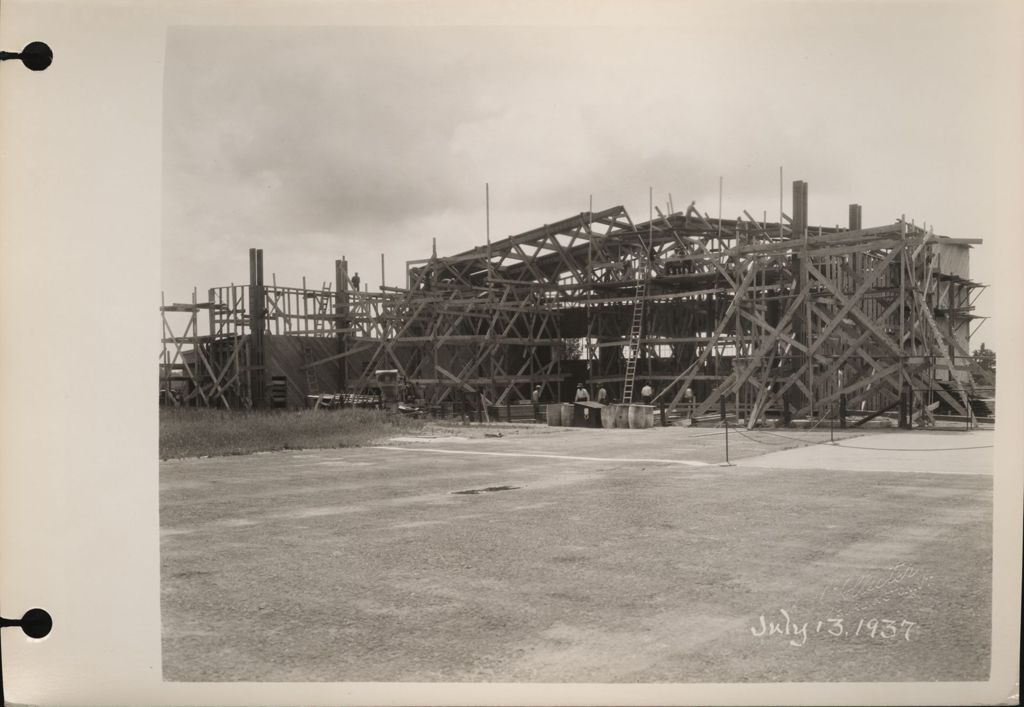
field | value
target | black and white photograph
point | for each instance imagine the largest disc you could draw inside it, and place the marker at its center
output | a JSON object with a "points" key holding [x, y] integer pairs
{"points": [[612, 349], [513, 355]]}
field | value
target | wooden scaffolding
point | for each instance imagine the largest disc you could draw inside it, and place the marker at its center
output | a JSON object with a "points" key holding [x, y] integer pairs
{"points": [[763, 319]]}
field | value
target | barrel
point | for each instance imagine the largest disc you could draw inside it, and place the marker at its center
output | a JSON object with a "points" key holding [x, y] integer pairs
{"points": [[554, 413], [622, 416], [641, 416], [567, 412], [608, 416]]}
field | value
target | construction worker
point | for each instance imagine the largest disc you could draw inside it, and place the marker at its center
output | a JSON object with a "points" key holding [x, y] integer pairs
{"points": [[582, 395], [647, 393], [535, 398], [602, 395], [355, 282]]}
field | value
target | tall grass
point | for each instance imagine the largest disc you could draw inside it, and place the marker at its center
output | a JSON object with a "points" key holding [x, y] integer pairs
{"points": [[190, 432]]}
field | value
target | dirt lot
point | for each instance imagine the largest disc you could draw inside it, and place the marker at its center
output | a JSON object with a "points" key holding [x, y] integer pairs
{"points": [[557, 555]]}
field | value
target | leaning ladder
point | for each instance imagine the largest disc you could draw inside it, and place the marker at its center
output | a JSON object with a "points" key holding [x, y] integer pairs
{"points": [[634, 336], [323, 307], [312, 379]]}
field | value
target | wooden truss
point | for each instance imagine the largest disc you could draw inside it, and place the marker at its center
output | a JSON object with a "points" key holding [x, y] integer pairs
{"points": [[757, 316]]}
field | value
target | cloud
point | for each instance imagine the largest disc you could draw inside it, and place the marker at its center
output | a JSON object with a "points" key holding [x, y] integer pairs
{"points": [[317, 142]]}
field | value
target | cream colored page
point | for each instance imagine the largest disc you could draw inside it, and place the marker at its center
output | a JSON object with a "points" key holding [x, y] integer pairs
{"points": [[82, 216]]}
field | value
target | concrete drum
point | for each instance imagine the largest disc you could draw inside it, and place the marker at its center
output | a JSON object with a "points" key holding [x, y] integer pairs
{"points": [[554, 415], [641, 416], [568, 409]]}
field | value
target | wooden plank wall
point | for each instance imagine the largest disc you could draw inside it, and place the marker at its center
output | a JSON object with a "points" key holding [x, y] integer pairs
{"points": [[285, 357]]}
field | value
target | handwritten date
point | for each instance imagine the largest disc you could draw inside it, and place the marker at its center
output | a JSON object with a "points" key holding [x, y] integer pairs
{"points": [[798, 633]]}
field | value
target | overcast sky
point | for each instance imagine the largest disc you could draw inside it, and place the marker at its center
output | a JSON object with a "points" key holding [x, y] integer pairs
{"points": [[318, 142]]}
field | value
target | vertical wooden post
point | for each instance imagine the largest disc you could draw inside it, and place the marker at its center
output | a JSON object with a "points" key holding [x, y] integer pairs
{"points": [[341, 286], [557, 351], [273, 290], [253, 344], [261, 308], [212, 351], [194, 315], [951, 333], [210, 296]]}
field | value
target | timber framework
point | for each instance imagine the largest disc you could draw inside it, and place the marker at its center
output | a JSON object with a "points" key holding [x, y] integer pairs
{"points": [[761, 319]]}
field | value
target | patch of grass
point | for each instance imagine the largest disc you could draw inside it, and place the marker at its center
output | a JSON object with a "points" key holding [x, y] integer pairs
{"points": [[190, 432]]}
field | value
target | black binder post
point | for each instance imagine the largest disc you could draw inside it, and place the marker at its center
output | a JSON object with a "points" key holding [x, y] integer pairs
{"points": [[36, 623], [36, 56]]}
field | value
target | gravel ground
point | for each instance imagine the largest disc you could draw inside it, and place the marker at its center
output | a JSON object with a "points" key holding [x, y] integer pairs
{"points": [[597, 556]]}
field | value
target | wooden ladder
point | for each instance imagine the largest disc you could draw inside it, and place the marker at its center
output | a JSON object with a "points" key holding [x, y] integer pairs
{"points": [[634, 336], [312, 379], [323, 307]]}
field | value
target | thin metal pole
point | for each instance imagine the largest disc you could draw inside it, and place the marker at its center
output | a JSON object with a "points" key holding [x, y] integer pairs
{"points": [[780, 201], [590, 282], [487, 209], [727, 441], [721, 181], [650, 224]]}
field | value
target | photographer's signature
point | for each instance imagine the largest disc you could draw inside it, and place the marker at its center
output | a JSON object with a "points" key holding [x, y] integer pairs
{"points": [[899, 580]]}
